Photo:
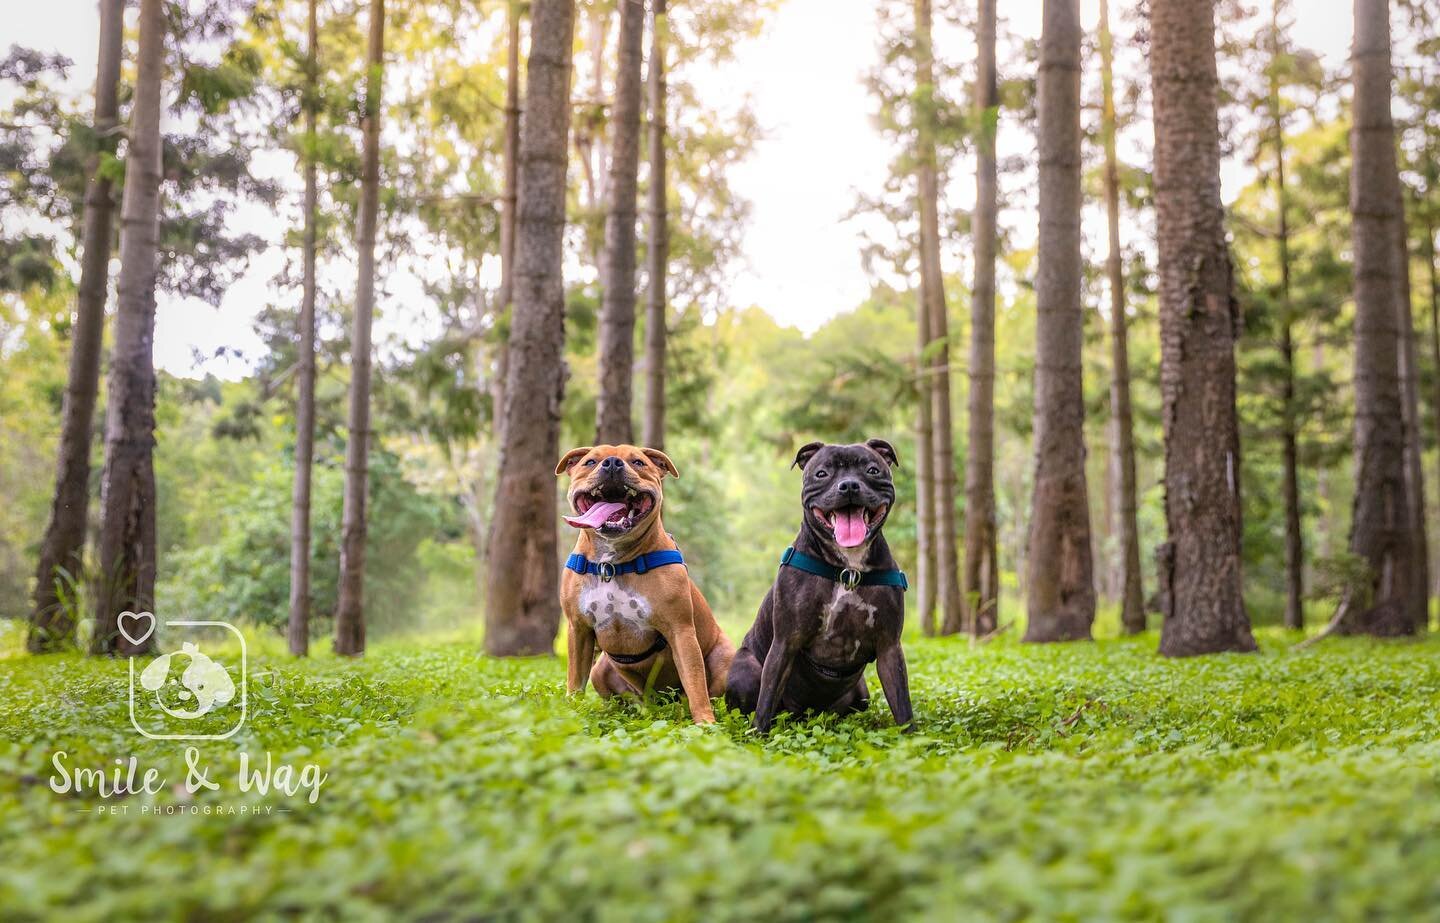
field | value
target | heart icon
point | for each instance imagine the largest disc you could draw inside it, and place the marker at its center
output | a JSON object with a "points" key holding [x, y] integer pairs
{"points": [[143, 627]]}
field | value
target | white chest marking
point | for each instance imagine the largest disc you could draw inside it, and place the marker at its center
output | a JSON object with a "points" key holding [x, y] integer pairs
{"points": [[843, 599], [604, 603]]}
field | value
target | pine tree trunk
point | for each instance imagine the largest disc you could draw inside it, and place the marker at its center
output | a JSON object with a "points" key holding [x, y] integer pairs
{"points": [[1204, 608], [350, 608], [1380, 529], [1060, 583], [521, 609], [126, 581], [1294, 538], [595, 145], [506, 295], [1132, 596], [981, 579], [932, 294], [1324, 548], [1434, 268], [62, 550], [1414, 438], [298, 633], [924, 473], [658, 248], [617, 309]]}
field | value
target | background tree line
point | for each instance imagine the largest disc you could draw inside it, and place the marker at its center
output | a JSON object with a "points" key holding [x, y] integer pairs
{"points": [[1150, 416]]}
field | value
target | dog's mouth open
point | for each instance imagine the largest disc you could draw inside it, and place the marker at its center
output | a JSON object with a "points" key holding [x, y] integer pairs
{"points": [[850, 525], [615, 514]]}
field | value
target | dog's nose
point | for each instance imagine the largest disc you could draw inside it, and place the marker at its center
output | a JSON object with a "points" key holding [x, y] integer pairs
{"points": [[849, 487], [613, 463]]}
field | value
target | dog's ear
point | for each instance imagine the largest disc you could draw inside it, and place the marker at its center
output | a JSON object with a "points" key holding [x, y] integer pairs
{"points": [[885, 450], [662, 461], [571, 457], [807, 451]]}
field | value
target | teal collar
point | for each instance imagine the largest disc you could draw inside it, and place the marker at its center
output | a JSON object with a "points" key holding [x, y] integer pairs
{"points": [[848, 576]]}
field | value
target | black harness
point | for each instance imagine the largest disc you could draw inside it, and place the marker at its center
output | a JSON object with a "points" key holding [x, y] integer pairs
{"points": [[830, 672], [632, 659]]}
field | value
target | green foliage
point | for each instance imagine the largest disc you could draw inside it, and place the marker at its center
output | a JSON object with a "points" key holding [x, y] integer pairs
{"points": [[244, 574], [33, 348], [1086, 781]]}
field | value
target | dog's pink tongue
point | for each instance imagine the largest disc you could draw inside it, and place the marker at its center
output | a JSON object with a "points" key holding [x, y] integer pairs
{"points": [[595, 517], [849, 528]]}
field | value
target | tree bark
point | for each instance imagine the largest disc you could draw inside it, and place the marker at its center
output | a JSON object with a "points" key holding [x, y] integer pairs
{"points": [[617, 309], [506, 295], [1199, 320], [924, 471], [1059, 584], [521, 609], [1414, 438], [127, 492], [658, 249], [62, 550], [932, 295], [981, 578], [1132, 595], [298, 631], [1434, 268], [1294, 538], [350, 608], [1380, 530]]}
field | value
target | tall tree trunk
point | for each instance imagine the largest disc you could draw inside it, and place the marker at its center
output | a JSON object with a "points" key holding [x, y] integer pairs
{"points": [[1204, 608], [593, 143], [658, 249], [62, 550], [617, 307], [506, 295], [298, 633], [127, 491], [1380, 529], [521, 609], [981, 579], [350, 608], [1323, 545], [1414, 438], [1294, 540], [924, 471], [1060, 583], [1434, 268], [932, 294], [1132, 596]]}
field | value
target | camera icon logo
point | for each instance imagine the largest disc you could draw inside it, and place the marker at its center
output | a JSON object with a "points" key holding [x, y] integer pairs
{"points": [[184, 685]]}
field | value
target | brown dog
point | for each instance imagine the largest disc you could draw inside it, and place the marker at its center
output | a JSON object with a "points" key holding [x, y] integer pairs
{"points": [[626, 588]]}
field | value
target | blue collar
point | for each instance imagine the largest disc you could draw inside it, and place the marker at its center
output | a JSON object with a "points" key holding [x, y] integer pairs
{"points": [[849, 576], [607, 571]]}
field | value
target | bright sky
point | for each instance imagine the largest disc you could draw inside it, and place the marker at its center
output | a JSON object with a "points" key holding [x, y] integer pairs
{"points": [[805, 74]]}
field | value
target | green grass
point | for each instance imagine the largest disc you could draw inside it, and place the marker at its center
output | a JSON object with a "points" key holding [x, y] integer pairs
{"points": [[1091, 781]]}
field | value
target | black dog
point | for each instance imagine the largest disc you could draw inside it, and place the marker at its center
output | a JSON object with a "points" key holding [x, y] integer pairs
{"points": [[838, 602]]}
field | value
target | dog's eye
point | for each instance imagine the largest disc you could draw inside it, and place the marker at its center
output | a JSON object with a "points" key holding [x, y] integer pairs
{"points": [[589, 463], [874, 472], [639, 463], [821, 474]]}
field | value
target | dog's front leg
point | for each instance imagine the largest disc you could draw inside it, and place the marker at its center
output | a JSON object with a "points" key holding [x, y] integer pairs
{"points": [[690, 663], [895, 680], [773, 675], [580, 649]]}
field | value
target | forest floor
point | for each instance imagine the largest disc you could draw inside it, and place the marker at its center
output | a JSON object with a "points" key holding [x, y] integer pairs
{"points": [[1085, 781]]}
